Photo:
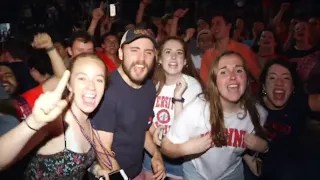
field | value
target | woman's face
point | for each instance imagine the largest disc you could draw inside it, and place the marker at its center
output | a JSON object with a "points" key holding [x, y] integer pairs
{"points": [[172, 57], [301, 31], [231, 78], [267, 39], [87, 83], [278, 85]]}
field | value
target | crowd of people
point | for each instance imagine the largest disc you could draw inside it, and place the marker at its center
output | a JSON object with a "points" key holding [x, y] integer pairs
{"points": [[217, 101]]}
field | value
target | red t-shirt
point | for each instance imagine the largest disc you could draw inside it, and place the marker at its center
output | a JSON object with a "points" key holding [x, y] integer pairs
{"points": [[32, 95], [25, 102], [107, 61]]}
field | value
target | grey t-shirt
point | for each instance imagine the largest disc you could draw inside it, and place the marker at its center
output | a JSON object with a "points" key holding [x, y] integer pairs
{"points": [[7, 122]]}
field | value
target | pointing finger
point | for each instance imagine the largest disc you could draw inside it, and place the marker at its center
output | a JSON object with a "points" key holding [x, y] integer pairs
{"points": [[62, 83]]}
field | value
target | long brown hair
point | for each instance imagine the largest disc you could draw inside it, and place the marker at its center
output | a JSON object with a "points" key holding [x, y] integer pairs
{"points": [[159, 77], [212, 95]]}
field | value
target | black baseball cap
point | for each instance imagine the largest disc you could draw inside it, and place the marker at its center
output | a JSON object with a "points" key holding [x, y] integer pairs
{"points": [[134, 34]]}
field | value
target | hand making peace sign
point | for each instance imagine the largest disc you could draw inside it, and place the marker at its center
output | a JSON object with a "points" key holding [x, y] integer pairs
{"points": [[50, 105]]}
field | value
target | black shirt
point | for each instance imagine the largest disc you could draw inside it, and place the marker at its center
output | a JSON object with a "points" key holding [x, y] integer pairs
{"points": [[127, 113], [285, 127]]}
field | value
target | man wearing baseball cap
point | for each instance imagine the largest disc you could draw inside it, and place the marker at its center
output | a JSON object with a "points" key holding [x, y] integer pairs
{"points": [[126, 111]]}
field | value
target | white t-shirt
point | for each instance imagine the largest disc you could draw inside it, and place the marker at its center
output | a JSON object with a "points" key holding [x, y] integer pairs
{"points": [[196, 59], [164, 108], [216, 163]]}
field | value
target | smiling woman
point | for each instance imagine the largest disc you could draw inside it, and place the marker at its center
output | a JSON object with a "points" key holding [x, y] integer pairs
{"points": [[69, 141], [213, 126], [288, 107]]}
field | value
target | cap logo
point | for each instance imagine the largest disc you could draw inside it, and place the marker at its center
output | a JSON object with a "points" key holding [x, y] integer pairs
{"points": [[140, 32]]}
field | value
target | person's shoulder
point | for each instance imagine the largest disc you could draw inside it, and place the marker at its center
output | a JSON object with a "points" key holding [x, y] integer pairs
{"points": [[241, 46], [198, 103], [261, 110], [191, 81], [150, 86], [208, 54]]}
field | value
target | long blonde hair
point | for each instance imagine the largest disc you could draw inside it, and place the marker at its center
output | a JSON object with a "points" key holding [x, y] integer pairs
{"points": [[212, 95]]}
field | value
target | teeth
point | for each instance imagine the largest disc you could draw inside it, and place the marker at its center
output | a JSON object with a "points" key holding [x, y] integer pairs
{"points": [[279, 91], [89, 96], [173, 64], [233, 86], [139, 66]]}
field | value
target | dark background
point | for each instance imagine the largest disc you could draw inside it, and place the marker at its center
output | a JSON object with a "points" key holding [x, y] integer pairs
{"points": [[77, 12]]}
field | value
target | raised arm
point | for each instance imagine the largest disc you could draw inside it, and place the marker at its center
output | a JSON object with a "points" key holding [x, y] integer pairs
{"points": [[178, 14], [140, 12], [46, 109], [97, 14], [277, 19], [43, 41]]}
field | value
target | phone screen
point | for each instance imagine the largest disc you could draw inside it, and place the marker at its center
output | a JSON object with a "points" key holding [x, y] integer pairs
{"points": [[113, 10], [118, 175]]}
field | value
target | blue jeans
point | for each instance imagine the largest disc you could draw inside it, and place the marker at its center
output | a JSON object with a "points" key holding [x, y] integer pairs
{"points": [[173, 166], [190, 173]]}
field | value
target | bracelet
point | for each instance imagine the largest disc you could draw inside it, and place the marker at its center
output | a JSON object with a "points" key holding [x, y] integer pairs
{"points": [[50, 48], [30, 126]]}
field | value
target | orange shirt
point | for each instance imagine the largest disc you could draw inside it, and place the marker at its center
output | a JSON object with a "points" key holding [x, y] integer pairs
{"points": [[108, 62], [244, 50]]}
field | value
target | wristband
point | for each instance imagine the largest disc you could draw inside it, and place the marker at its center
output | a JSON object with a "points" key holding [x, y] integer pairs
{"points": [[30, 126], [50, 48], [177, 100]]}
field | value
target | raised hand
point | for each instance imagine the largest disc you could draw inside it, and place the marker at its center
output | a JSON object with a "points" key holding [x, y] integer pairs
{"points": [[179, 13], [98, 13], [285, 6], [181, 86], [146, 2], [50, 105], [42, 41]]}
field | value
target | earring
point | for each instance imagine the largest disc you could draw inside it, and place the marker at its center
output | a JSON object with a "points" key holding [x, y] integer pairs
{"points": [[264, 92], [186, 65]]}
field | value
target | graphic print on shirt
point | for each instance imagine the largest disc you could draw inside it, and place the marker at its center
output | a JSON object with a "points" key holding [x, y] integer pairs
{"points": [[276, 128], [164, 112], [235, 137], [306, 64]]}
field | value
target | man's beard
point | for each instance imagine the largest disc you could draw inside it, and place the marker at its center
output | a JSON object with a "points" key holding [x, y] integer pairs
{"points": [[126, 70]]}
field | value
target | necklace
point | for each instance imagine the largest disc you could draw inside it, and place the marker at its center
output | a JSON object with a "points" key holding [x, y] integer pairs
{"points": [[93, 145]]}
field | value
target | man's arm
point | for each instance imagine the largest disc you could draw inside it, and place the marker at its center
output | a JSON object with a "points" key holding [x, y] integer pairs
{"points": [[104, 130], [106, 157], [156, 161]]}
